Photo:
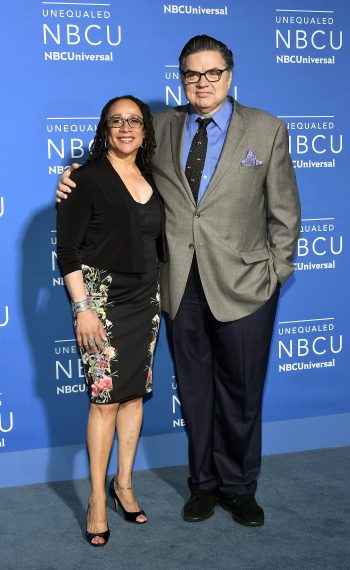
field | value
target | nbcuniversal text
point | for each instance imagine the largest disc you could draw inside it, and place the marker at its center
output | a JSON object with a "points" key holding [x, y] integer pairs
{"points": [[311, 344]]}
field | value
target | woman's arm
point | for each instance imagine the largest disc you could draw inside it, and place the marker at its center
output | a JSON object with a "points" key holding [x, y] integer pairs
{"points": [[88, 324], [73, 218]]}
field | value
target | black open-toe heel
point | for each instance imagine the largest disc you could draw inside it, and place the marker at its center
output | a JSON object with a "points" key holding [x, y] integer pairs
{"points": [[91, 535], [129, 517]]}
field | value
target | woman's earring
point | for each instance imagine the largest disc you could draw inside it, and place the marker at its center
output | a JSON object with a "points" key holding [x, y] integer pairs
{"points": [[106, 144], [144, 144]]}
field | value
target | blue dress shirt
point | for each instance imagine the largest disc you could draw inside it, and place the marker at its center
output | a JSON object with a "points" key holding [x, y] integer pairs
{"points": [[216, 130]]}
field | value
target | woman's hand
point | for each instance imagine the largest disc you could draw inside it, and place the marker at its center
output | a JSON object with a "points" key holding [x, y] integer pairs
{"points": [[65, 184], [89, 326]]}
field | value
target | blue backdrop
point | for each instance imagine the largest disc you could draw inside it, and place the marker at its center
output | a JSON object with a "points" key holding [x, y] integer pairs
{"points": [[61, 61]]}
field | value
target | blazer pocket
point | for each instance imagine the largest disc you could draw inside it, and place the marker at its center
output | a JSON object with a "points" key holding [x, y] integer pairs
{"points": [[255, 255], [253, 169]]}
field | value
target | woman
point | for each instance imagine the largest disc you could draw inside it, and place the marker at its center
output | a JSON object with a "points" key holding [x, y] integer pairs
{"points": [[110, 243]]}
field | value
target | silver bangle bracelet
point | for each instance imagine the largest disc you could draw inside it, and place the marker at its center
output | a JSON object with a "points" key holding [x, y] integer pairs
{"points": [[80, 306]]}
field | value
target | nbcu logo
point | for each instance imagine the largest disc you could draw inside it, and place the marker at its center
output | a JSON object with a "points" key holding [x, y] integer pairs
{"points": [[2, 210], [2, 423], [8, 423], [5, 322]]}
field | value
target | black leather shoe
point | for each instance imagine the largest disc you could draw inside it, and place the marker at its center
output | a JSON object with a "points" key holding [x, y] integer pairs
{"points": [[244, 508], [200, 506]]}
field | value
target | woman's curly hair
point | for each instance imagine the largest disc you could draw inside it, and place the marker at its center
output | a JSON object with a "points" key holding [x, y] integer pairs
{"points": [[99, 147]]}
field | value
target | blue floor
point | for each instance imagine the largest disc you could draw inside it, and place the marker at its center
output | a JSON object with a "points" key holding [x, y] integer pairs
{"points": [[306, 497]]}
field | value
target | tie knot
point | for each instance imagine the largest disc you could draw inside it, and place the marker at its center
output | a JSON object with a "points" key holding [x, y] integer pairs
{"points": [[203, 123]]}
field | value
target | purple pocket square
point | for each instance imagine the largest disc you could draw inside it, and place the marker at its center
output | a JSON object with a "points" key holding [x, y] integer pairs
{"points": [[250, 159]]}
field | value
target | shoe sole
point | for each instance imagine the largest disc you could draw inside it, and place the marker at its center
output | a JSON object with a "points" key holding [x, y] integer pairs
{"points": [[198, 519], [247, 523]]}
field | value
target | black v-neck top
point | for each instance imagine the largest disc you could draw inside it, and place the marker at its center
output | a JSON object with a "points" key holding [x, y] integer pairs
{"points": [[99, 223]]}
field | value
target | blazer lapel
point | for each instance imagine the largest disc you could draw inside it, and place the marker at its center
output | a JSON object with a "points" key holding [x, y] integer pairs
{"points": [[177, 132], [234, 139]]}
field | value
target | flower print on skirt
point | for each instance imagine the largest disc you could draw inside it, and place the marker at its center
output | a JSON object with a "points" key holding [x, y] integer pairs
{"points": [[128, 306]]}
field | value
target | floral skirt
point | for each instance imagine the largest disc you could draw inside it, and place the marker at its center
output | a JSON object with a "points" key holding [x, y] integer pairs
{"points": [[128, 306]]}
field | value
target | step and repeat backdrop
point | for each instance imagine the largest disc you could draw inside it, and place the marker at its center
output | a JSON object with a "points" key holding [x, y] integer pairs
{"points": [[61, 61]]}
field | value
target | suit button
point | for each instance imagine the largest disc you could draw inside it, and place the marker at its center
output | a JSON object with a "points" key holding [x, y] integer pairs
{"points": [[197, 215], [191, 246]]}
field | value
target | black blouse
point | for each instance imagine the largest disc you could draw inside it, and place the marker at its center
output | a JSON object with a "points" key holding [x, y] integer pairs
{"points": [[99, 223]]}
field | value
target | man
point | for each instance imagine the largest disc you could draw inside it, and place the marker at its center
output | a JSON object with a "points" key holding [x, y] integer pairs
{"points": [[232, 222]]}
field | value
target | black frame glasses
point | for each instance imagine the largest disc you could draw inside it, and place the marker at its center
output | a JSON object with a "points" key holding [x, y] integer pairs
{"points": [[133, 122], [198, 75]]}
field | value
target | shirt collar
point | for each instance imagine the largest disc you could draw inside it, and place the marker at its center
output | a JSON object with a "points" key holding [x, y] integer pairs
{"points": [[221, 118]]}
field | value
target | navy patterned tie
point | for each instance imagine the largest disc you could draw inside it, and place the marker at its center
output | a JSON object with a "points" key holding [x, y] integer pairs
{"points": [[196, 157]]}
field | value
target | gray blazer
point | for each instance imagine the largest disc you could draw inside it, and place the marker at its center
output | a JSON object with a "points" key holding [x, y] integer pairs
{"points": [[244, 230]]}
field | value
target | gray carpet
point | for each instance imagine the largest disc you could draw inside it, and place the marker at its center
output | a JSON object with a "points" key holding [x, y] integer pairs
{"points": [[305, 496]]}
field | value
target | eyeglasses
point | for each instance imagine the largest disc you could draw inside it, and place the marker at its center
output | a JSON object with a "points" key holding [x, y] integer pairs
{"points": [[119, 122], [211, 75]]}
